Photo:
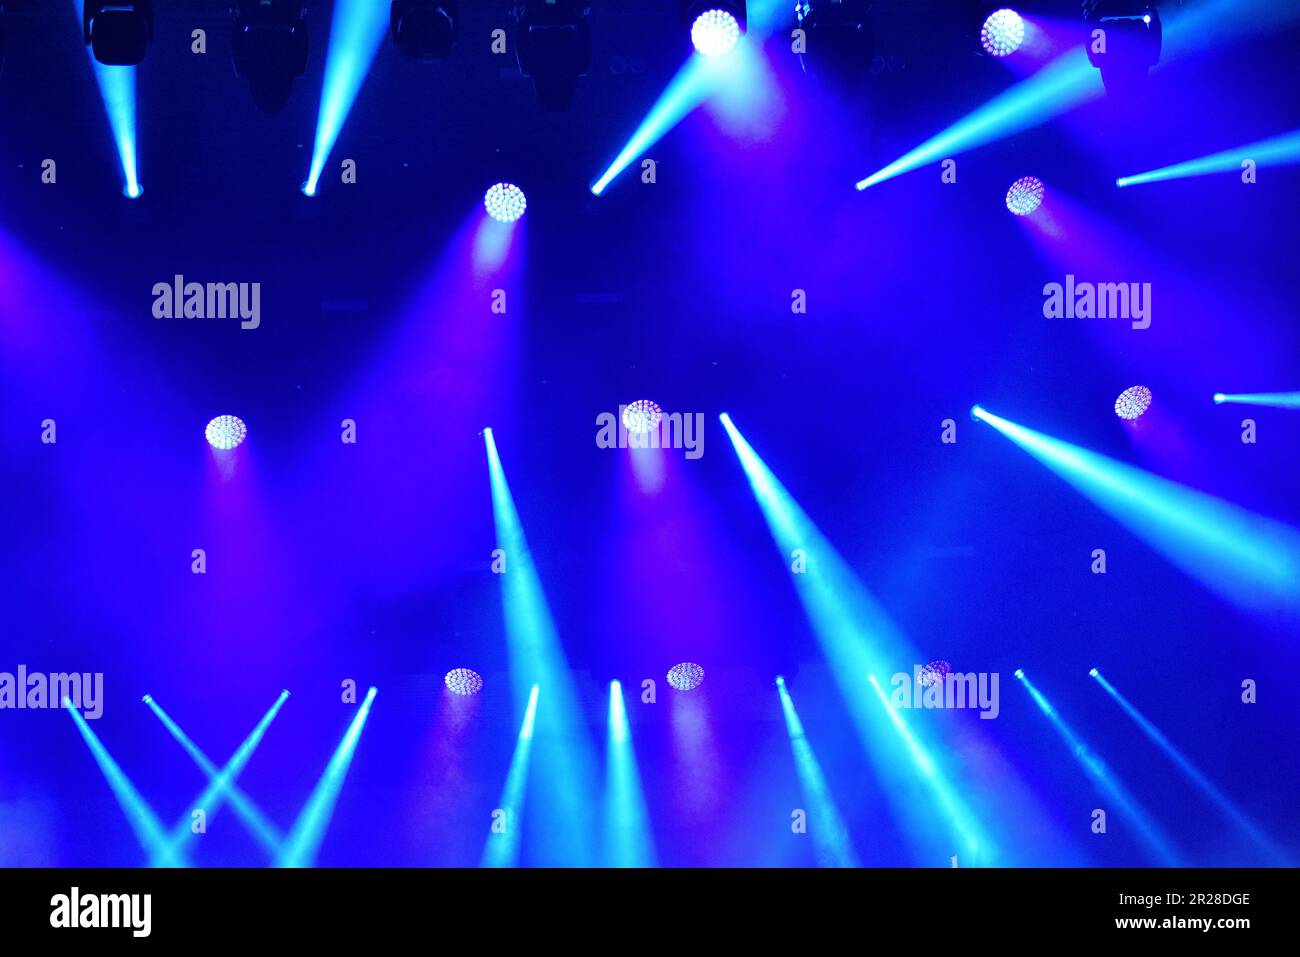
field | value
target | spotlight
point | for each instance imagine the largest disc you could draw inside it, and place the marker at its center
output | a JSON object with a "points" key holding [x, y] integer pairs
{"points": [[1219, 398], [1127, 41], [463, 681], [838, 38], [425, 30], [268, 47], [1019, 672], [716, 25], [686, 676], [1132, 402], [132, 190], [642, 416], [118, 31], [1092, 673], [504, 202], [1002, 33], [1025, 195], [935, 672], [975, 411], [147, 699], [225, 432], [553, 44]]}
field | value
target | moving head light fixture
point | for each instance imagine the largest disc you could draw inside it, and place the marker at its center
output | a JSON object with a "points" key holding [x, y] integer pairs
{"points": [[425, 30], [837, 38], [553, 44], [118, 31], [269, 48], [715, 26], [1124, 38]]}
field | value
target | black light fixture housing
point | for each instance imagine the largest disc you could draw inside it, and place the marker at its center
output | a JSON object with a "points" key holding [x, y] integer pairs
{"points": [[268, 47], [118, 31], [553, 44], [838, 38], [1132, 36], [425, 30]]}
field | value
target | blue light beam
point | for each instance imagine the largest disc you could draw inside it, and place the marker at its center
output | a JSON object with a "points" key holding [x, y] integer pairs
{"points": [[356, 31], [304, 840], [858, 640], [564, 753], [1275, 400], [117, 89], [144, 822], [1207, 787], [1250, 560], [502, 847], [1283, 150], [831, 842], [1144, 827], [628, 841], [221, 784]]}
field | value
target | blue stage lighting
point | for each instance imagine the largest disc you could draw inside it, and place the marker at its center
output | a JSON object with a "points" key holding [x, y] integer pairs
{"points": [[1132, 402], [356, 32], [831, 842], [148, 829], [686, 676], [1025, 195], [463, 681], [1248, 559], [1144, 827], [715, 32], [304, 840], [1002, 33], [642, 416], [1275, 400], [628, 841], [117, 89], [225, 432], [502, 847], [505, 202], [1207, 787], [1283, 150]]}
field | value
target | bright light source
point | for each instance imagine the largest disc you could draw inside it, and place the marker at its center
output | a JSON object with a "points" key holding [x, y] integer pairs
{"points": [[642, 416], [1219, 398], [504, 202], [686, 676], [225, 432], [1025, 195], [1132, 402], [463, 681], [1002, 33], [715, 33], [935, 672]]}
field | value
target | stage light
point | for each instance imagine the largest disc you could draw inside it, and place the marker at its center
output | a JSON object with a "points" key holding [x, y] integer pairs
{"points": [[1144, 827], [1282, 150], [1132, 402], [553, 45], [1025, 195], [144, 822], [838, 39], [268, 47], [225, 432], [1123, 41], [642, 416], [222, 780], [1207, 787], [1250, 560], [502, 847], [1275, 400], [1019, 673], [463, 681], [1002, 33], [118, 31], [117, 89], [628, 841], [715, 31], [356, 31], [934, 672], [505, 202], [303, 843], [831, 842], [425, 30], [686, 676]]}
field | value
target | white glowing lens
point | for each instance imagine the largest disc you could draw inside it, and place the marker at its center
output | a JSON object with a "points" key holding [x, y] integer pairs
{"points": [[1025, 195], [225, 432], [504, 202], [715, 33], [1003, 32]]}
